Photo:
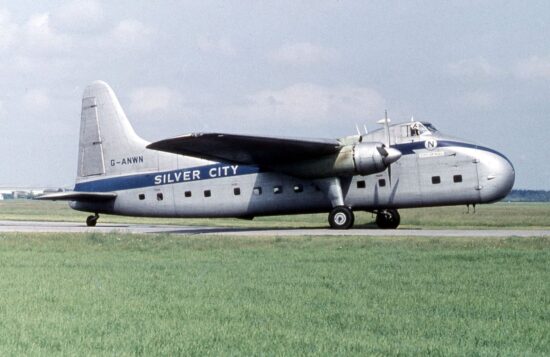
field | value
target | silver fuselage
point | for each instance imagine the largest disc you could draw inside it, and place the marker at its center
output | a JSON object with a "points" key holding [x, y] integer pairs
{"points": [[434, 170]]}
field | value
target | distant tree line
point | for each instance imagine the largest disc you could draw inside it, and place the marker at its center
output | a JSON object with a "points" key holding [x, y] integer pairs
{"points": [[528, 196]]}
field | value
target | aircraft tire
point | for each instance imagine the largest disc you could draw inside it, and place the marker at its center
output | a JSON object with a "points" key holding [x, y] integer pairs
{"points": [[388, 219], [341, 217], [91, 221]]}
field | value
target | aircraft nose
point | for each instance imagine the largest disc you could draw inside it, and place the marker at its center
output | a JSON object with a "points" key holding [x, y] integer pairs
{"points": [[497, 176]]}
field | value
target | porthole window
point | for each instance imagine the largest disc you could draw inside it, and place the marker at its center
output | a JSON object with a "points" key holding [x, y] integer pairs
{"points": [[457, 178], [141, 196], [436, 180], [277, 189], [257, 191], [298, 188], [187, 193], [361, 184], [236, 191], [382, 182], [207, 193], [160, 196]]}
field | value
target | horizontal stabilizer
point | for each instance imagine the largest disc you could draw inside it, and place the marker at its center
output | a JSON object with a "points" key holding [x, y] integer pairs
{"points": [[245, 149], [78, 196]]}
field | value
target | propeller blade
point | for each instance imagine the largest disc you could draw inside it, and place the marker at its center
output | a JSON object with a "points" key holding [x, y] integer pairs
{"points": [[387, 128], [382, 150]]}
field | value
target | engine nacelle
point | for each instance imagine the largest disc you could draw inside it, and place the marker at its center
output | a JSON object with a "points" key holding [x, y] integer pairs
{"points": [[356, 159], [368, 159]]}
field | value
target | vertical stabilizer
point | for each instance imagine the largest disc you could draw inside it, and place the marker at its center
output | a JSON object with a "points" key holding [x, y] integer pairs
{"points": [[108, 143]]}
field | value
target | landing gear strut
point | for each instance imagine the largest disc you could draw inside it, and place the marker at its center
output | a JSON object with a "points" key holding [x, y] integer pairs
{"points": [[388, 219], [341, 217], [92, 220]]}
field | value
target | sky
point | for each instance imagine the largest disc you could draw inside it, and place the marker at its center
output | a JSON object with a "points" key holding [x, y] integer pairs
{"points": [[475, 69]]}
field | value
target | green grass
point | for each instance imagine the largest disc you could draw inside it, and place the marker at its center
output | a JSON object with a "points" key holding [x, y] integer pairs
{"points": [[501, 215], [93, 294]]}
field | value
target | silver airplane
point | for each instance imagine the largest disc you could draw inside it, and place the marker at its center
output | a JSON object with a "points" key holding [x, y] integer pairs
{"points": [[226, 175]]}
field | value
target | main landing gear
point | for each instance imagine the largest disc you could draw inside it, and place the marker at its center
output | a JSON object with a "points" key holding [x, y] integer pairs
{"points": [[92, 220], [341, 217], [388, 219]]}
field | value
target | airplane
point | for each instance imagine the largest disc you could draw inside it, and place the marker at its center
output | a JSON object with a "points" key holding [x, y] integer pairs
{"points": [[207, 175]]}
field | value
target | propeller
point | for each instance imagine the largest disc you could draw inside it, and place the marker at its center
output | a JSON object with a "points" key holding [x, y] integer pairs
{"points": [[391, 155]]}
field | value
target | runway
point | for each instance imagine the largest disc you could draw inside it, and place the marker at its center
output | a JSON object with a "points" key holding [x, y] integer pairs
{"points": [[74, 227]]}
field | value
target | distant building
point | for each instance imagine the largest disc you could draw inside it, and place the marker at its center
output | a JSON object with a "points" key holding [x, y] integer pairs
{"points": [[11, 193]]}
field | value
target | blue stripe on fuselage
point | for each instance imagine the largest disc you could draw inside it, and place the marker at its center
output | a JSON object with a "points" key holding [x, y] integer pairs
{"points": [[165, 177], [409, 148]]}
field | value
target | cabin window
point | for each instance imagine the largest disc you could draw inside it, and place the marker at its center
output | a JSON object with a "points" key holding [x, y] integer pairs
{"points": [[207, 193], [436, 180], [160, 196], [277, 189], [361, 184], [382, 182], [298, 188], [141, 196], [236, 191], [457, 178], [187, 193], [257, 191]]}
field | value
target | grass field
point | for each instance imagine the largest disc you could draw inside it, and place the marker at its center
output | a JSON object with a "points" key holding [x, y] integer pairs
{"points": [[114, 294], [501, 215], [93, 294]]}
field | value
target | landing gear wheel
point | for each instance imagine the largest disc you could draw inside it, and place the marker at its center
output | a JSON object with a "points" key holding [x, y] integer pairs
{"points": [[92, 220], [341, 217], [388, 219]]}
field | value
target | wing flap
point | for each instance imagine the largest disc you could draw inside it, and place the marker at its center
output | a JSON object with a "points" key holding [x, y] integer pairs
{"points": [[245, 149], [78, 196]]}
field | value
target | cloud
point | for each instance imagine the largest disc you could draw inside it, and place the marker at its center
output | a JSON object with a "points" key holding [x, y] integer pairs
{"points": [[37, 100], [3, 111], [474, 69], [303, 54], [40, 37], [533, 68], [8, 30], [131, 34], [79, 15], [306, 104], [479, 99], [146, 100], [221, 46]]}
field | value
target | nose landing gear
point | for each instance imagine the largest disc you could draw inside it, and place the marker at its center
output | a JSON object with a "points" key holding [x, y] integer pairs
{"points": [[92, 220]]}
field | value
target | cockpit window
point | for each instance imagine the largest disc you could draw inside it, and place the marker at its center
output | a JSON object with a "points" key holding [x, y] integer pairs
{"points": [[418, 128], [430, 127]]}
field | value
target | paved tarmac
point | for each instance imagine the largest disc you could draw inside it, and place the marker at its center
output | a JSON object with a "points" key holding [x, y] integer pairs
{"points": [[73, 227]]}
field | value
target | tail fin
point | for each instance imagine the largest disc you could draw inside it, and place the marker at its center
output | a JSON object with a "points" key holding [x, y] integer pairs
{"points": [[108, 143]]}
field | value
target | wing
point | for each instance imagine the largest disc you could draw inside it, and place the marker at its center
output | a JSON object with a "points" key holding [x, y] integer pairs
{"points": [[78, 196], [249, 150]]}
